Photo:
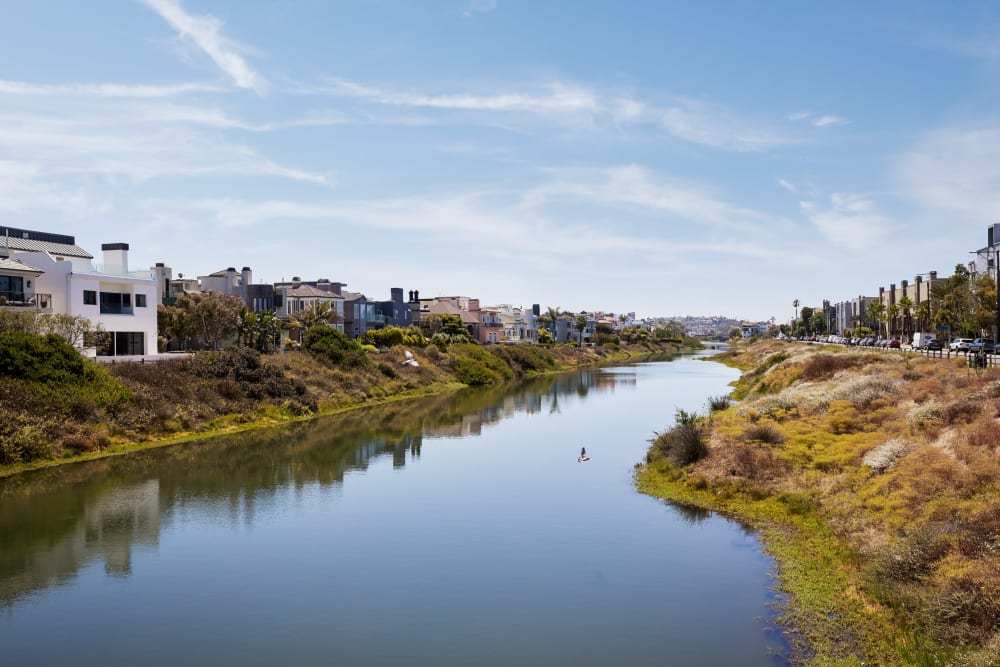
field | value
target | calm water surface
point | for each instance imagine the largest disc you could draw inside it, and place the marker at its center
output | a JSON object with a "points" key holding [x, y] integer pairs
{"points": [[455, 530]]}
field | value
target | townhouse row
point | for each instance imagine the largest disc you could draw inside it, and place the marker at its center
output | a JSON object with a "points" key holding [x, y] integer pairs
{"points": [[50, 273]]}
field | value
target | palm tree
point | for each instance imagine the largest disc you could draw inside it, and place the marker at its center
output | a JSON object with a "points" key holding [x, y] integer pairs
{"points": [[553, 315], [906, 309], [877, 312], [580, 324], [321, 312], [923, 314], [795, 322], [891, 313]]}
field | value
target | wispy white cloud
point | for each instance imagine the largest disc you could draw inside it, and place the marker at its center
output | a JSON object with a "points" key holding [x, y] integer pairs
{"points": [[516, 222], [827, 120], [565, 103], [816, 120], [473, 7], [549, 99], [23, 88], [134, 146], [707, 125], [849, 221], [24, 187], [786, 185], [204, 32], [637, 187]]}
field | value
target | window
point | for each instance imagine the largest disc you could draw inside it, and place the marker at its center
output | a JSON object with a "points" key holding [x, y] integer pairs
{"points": [[11, 288], [140, 300], [115, 303], [128, 342], [89, 297]]}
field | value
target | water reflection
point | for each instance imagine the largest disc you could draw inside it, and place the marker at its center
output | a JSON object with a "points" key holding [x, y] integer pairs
{"points": [[56, 521]]}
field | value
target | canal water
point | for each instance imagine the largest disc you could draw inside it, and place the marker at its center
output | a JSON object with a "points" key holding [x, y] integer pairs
{"points": [[450, 531]]}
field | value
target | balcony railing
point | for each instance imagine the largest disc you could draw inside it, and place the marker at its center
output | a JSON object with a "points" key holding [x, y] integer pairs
{"points": [[26, 301]]}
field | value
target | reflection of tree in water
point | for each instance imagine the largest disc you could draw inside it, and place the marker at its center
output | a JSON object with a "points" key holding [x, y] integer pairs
{"points": [[690, 513], [55, 521]]}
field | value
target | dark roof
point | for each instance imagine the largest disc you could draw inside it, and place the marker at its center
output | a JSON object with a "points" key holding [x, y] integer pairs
{"points": [[44, 246]]}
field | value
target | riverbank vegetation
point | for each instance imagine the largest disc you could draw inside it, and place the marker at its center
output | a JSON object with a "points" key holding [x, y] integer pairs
{"points": [[874, 478], [57, 406]]}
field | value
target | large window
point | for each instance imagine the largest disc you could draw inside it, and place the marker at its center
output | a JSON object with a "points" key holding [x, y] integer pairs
{"points": [[115, 303], [89, 297], [128, 342], [12, 288]]}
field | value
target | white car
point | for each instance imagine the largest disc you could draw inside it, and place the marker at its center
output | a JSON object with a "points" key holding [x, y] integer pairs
{"points": [[960, 345]]}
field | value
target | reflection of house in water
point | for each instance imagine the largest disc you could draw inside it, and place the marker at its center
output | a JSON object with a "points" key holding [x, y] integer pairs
{"points": [[109, 527], [373, 449], [97, 520]]}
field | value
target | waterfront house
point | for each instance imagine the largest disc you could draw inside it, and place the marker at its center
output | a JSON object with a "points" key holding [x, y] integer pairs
{"points": [[120, 301]]}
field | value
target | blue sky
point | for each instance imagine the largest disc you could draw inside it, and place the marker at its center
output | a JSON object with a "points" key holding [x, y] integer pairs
{"points": [[659, 157]]}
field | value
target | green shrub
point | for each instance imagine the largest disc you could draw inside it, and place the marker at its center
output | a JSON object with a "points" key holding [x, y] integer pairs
{"points": [[524, 359], [23, 438], [392, 336], [242, 372], [55, 372], [766, 433], [35, 358], [333, 346], [717, 403], [475, 366], [683, 444]]}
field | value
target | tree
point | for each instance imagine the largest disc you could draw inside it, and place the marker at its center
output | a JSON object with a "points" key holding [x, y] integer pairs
{"points": [[922, 314], [891, 314], [544, 336], [817, 322], [210, 316], [877, 311], [796, 305], [552, 316], [259, 330], [334, 346], [580, 324], [906, 311], [320, 312], [807, 314], [965, 306], [71, 328]]}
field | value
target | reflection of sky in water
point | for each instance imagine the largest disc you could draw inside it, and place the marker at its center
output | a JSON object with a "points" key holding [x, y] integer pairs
{"points": [[452, 530]]}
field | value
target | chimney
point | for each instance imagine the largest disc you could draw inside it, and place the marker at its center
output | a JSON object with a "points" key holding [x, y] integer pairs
{"points": [[115, 258], [416, 295], [933, 275], [411, 296], [246, 276]]}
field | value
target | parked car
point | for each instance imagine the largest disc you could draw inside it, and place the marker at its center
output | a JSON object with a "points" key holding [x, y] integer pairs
{"points": [[894, 344], [960, 345], [934, 345], [982, 345]]}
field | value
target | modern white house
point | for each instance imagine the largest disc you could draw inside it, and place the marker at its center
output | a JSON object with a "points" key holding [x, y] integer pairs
{"points": [[120, 301]]}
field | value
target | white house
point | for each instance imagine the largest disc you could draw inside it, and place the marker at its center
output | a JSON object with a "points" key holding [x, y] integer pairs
{"points": [[122, 302]]}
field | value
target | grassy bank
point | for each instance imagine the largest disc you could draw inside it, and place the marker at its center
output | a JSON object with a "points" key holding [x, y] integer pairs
{"points": [[874, 479], [85, 411]]}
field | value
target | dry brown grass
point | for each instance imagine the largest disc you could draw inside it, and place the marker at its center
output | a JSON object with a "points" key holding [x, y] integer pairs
{"points": [[902, 456]]}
